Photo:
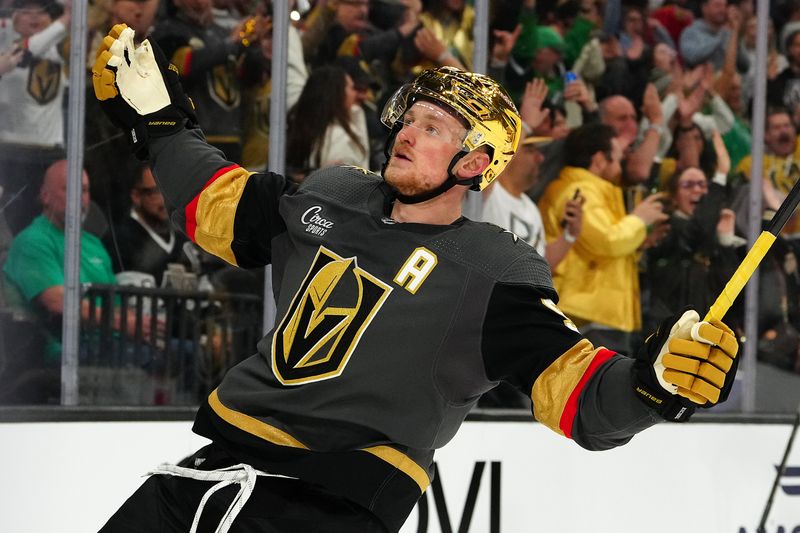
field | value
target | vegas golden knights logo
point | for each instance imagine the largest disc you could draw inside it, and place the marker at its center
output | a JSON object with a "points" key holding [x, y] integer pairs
{"points": [[44, 80], [224, 86], [331, 310]]}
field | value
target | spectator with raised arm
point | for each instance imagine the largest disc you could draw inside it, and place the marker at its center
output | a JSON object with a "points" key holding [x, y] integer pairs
{"points": [[212, 62], [450, 22], [349, 32], [598, 280], [695, 260], [707, 38], [546, 51], [783, 88], [31, 104], [619, 113]]}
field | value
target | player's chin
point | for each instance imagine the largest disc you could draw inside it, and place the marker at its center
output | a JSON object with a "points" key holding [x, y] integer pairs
{"points": [[398, 178]]}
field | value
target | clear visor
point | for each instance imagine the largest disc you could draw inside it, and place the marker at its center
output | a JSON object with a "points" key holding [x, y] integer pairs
{"points": [[425, 117]]}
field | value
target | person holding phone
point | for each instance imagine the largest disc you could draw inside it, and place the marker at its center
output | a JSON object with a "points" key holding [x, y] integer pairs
{"points": [[9, 59], [506, 204], [31, 103], [598, 280]]}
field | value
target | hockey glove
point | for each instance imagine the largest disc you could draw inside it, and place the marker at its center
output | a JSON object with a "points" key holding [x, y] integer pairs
{"points": [[686, 364], [139, 90]]}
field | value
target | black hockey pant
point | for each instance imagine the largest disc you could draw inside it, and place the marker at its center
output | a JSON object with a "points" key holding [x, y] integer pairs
{"points": [[168, 503]]}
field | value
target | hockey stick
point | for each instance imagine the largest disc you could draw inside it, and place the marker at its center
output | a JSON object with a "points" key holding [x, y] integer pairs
{"points": [[778, 474], [735, 286], [754, 256]]}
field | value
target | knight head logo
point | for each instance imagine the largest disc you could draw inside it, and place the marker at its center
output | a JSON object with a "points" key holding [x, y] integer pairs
{"points": [[327, 317]]}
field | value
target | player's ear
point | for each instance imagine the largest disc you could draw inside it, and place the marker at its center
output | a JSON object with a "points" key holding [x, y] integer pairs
{"points": [[472, 164]]}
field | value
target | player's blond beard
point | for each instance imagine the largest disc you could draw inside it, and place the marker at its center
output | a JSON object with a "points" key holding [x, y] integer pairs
{"points": [[407, 186]]}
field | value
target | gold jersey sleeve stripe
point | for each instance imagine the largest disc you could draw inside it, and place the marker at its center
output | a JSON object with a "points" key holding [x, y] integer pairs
{"points": [[252, 425], [223, 138], [556, 391], [210, 215], [403, 463]]}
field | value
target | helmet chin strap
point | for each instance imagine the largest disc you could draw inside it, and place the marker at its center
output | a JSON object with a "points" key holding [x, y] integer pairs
{"points": [[451, 181]]}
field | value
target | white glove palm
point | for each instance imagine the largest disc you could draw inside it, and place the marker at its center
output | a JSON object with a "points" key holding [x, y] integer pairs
{"points": [[138, 77]]}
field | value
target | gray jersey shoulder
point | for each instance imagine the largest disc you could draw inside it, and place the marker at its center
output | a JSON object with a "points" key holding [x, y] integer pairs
{"points": [[347, 185], [494, 252]]}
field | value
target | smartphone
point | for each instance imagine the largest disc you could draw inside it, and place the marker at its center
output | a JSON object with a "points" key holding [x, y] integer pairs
{"points": [[27, 57], [569, 77], [574, 197]]}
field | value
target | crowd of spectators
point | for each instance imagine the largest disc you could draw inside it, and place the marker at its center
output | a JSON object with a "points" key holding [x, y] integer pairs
{"points": [[631, 179]]}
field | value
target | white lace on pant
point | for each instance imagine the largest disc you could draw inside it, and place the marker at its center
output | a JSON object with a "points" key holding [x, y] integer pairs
{"points": [[241, 474]]}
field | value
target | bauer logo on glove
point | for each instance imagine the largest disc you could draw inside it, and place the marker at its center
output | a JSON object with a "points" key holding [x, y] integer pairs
{"points": [[686, 364], [139, 90]]}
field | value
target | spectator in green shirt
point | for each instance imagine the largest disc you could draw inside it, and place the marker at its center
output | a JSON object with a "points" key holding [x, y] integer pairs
{"points": [[34, 269]]}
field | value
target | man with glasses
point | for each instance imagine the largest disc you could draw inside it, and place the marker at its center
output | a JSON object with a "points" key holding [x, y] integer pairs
{"points": [[395, 314]]}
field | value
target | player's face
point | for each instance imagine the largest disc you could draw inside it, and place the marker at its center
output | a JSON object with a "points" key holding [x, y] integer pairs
{"points": [[423, 149]]}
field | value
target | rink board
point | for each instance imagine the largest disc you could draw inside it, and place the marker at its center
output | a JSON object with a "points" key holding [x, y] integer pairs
{"points": [[497, 476]]}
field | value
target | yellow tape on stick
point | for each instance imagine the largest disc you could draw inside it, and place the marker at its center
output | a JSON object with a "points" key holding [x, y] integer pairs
{"points": [[737, 282]]}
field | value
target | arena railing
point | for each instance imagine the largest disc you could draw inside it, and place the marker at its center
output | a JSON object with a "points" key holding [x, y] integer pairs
{"points": [[138, 347]]}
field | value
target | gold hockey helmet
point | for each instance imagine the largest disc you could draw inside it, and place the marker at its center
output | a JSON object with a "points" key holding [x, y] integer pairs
{"points": [[491, 116]]}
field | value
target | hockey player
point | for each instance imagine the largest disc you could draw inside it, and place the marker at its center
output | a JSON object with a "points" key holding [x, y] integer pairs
{"points": [[396, 314]]}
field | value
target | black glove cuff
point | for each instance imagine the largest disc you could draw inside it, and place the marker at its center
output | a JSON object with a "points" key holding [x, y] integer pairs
{"points": [[670, 407], [159, 124]]}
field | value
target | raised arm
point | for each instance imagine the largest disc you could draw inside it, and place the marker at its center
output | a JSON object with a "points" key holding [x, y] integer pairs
{"points": [[225, 209], [594, 396]]}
